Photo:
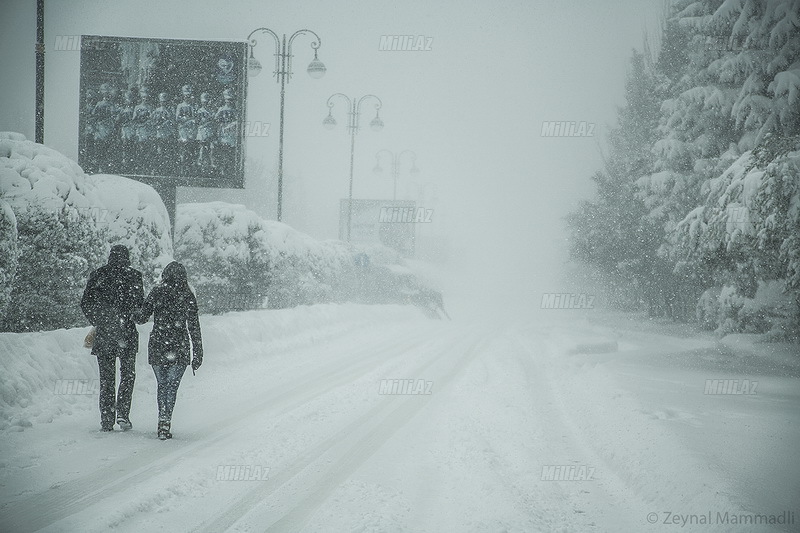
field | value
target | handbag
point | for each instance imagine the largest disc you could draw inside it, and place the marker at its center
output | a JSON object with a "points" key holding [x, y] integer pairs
{"points": [[88, 341]]}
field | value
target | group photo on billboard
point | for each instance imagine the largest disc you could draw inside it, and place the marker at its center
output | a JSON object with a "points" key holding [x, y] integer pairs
{"points": [[163, 109]]}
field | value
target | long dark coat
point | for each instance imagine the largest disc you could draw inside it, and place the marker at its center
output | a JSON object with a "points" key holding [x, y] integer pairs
{"points": [[175, 320], [113, 295]]}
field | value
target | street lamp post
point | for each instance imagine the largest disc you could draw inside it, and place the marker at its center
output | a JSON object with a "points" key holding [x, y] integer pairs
{"points": [[283, 74], [352, 124], [396, 159]]}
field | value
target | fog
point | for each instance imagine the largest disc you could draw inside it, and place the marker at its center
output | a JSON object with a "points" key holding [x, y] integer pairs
{"points": [[471, 107]]}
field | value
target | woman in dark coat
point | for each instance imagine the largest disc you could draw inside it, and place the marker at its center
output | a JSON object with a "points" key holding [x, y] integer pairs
{"points": [[175, 321]]}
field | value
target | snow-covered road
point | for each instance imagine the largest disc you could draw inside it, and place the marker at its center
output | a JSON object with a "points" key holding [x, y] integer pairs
{"points": [[298, 422]]}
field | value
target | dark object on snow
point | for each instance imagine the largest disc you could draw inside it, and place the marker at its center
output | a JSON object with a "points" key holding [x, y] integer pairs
{"points": [[597, 346], [113, 294], [430, 301], [88, 341], [175, 321]]}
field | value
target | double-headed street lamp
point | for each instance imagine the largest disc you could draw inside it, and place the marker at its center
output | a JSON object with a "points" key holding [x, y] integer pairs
{"points": [[396, 159], [283, 74], [352, 124]]}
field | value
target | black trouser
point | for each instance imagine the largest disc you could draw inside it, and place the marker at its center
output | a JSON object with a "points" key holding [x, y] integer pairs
{"points": [[106, 362]]}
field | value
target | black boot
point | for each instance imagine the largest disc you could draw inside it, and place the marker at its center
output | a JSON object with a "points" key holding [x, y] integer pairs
{"points": [[124, 423], [163, 430]]}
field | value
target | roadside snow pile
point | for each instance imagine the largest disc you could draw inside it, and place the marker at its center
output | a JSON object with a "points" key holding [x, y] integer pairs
{"points": [[45, 375], [66, 222], [237, 260]]}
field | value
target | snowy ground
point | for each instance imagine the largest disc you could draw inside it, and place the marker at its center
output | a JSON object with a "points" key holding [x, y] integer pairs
{"points": [[523, 430]]}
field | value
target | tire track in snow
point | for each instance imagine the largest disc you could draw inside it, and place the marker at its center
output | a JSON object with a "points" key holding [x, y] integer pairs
{"points": [[371, 430], [41, 509]]}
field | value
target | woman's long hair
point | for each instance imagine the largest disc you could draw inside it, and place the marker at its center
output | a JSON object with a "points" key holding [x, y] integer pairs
{"points": [[174, 278]]}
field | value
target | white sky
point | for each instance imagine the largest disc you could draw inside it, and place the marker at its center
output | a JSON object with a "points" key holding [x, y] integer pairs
{"points": [[471, 108]]}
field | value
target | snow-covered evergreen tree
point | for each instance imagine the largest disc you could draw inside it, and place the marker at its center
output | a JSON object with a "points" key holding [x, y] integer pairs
{"points": [[719, 193]]}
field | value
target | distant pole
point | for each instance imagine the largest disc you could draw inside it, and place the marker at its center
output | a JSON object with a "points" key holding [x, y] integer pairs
{"points": [[352, 126], [395, 162], [39, 71]]}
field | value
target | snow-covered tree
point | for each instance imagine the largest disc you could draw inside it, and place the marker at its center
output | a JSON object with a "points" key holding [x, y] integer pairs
{"points": [[718, 193]]}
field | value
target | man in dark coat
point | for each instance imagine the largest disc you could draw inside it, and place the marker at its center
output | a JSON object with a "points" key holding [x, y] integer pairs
{"points": [[113, 294]]}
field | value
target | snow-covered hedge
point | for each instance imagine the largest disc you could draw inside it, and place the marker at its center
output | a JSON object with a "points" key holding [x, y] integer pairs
{"points": [[237, 260], [65, 224], [222, 247], [134, 215], [59, 223], [8, 254]]}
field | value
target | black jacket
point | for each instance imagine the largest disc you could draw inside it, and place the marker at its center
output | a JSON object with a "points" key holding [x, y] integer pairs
{"points": [[113, 295], [175, 319]]}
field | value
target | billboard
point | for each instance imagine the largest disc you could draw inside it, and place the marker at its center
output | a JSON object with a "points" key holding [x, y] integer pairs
{"points": [[387, 222], [168, 110]]}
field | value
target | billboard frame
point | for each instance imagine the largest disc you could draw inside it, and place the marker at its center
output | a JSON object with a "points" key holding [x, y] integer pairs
{"points": [[215, 70]]}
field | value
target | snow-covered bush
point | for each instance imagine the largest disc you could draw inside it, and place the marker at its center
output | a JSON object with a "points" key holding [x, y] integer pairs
{"points": [[56, 249], [771, 309], [730, 303], [9, 256], [223, 247], [237, 260], [135, 216], [707, 310], [57, 241], [66, 222]]}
